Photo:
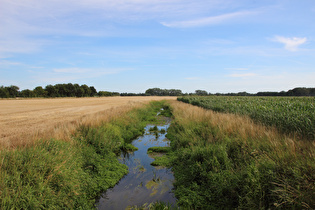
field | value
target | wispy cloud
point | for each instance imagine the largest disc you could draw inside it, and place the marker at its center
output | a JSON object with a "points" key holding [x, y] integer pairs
{"points": [[89, 72], [73, 74], [193, 78], [237, 69], [290, 44], [213, 20], [243, 75], [71, 70], [8, 63]]}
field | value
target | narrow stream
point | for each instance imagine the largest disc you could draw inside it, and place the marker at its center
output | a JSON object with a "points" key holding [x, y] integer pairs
{"points": [[144, 183]]}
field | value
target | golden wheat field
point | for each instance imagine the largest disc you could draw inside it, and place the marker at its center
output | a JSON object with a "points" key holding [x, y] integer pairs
{"points": [[25, 120]]}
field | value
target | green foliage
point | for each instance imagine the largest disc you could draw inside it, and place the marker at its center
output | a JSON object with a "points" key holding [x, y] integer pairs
{"points": [[154, 129], [26, 93], [107, 93], [4, 93], [163, 92], [58, 90], [290, 115], [164, 160], [159, 149], [9, 92], [156, 206], [166, 111], [201, 93]]}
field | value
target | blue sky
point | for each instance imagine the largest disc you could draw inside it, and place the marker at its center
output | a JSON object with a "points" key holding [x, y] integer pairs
{"points": [[132, 45]]}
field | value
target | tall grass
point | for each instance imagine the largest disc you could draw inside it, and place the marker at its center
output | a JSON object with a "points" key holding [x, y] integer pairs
{"points": [[59, 174], [227, 161]]}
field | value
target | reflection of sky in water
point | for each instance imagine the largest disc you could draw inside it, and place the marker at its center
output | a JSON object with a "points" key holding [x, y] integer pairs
{"points": [[144, 183]]}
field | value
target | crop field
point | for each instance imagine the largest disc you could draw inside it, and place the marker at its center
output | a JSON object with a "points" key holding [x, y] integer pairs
{"points": [[22, 121], [219, 160], [291, 115]]}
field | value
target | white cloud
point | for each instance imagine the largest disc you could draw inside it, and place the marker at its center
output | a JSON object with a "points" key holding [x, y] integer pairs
{"points": [[9, 63], [73, 74], [290, 44], [193, 78], [89, 72], [208, 20], [237, 69], [243, 75], [71, 70]]}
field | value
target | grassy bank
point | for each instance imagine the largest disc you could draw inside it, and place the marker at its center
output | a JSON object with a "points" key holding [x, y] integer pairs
{"points": [[70, 174], [228, 161]]}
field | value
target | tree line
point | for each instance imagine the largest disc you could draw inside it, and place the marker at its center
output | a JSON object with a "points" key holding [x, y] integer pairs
{"points": [[76, 90], [50, 91], [300, 91]]}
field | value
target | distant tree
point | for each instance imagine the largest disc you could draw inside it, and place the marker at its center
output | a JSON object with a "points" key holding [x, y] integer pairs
{"points": [[13, 91], [51, 91], [27, 93], [163, 92], [87, 90], [201, 92], [299, 92], [4, 93], [77, 91], [70, 89], [154, 91], [93, 91], [39, 92], [243, 94], [104, 93], [174, 92], [133, 94]]}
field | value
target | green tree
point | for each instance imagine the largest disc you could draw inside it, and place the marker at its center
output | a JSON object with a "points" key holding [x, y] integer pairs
{"points": [[39, 92], [201, 92], [87, 90], [13, 91], [93, 91], [4, 93], [70, 89], [27, 93], [51, 91]]}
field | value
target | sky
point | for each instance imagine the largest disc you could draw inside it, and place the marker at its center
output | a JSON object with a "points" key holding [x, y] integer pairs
{"points": [[220, 46]]}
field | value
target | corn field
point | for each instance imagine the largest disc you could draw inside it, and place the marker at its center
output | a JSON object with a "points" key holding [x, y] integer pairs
{"points": [[292, 115]]}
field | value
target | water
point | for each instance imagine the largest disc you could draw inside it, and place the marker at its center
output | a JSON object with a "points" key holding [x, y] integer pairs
{"points": [[144, 183]]}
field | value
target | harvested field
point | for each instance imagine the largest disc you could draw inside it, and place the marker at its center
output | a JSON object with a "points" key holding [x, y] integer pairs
{"points": [[23, 121]]}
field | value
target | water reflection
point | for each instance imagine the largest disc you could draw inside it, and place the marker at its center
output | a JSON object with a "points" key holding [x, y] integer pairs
{"points": [[144, 183]]}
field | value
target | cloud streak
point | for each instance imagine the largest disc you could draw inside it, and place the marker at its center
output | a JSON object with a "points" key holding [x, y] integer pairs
{"points": [[290, 44], [193, 78], [90, 72], [243, 75], [213, 20]]}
